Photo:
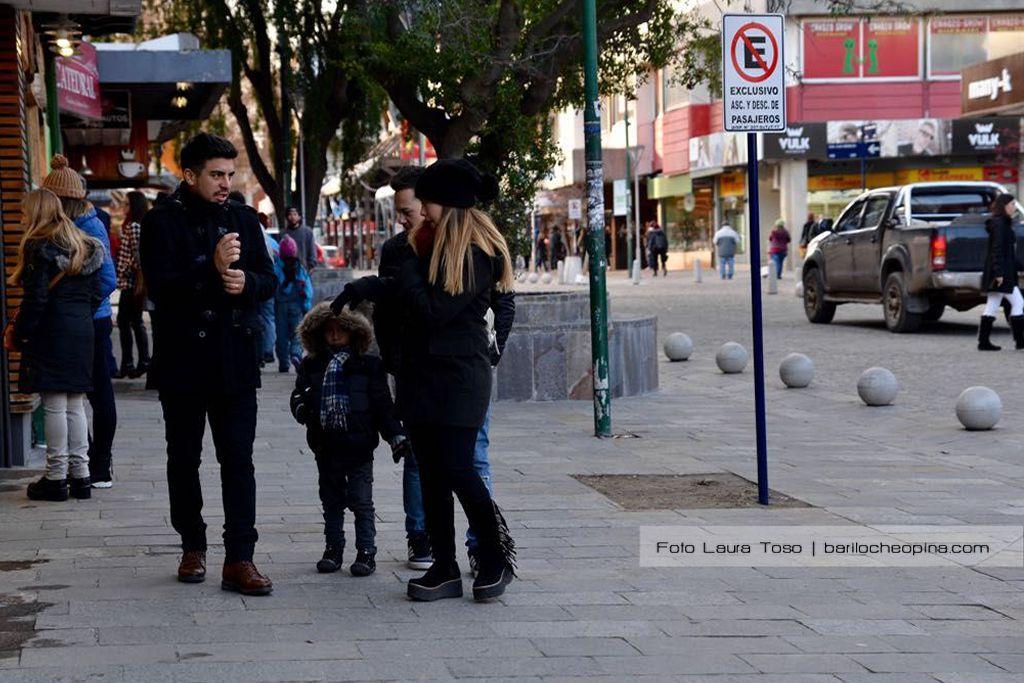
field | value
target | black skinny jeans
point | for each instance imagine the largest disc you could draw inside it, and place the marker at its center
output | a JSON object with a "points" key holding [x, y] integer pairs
{"points": [[233, 425], [101, 398], [445, 458], [347, 484], [129, 324]]}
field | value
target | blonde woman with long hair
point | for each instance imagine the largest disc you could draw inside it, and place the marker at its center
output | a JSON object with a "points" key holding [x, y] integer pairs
{"points": [[456, 259], [58, 269]]}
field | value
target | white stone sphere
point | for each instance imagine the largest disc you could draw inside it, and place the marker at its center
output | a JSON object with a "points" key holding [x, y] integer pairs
{"points": [[979, 408], [731, 358], [546, 278], [877, 386], [532, 277], [796, 370], [678, 346], [798, 291]]}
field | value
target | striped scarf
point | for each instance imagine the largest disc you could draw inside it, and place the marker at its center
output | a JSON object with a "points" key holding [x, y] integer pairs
{"points": [[334, 397]]}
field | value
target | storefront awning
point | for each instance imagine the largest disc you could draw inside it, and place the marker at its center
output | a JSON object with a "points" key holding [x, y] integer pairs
{"points": [[661, 187]]}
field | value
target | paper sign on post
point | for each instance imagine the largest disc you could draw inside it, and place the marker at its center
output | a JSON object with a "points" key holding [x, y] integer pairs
{"points": [[753, 72]]}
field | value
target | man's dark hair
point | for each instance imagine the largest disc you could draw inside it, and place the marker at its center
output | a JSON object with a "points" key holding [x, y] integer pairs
{"points": [[204, 147], [406, 178]]}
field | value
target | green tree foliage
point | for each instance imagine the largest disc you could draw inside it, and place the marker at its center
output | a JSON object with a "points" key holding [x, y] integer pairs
{"points": [[287, 53], [482, 78]]}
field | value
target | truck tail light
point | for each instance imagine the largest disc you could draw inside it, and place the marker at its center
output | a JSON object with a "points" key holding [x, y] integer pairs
{"points": [[938, 252]]}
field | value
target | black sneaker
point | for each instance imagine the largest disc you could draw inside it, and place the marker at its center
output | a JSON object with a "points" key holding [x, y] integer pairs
{"points": [[490, 582], [48, 489], [438, 583], [474, 561], [332, 559], [364, 564], [80, 487], [419, 553]]}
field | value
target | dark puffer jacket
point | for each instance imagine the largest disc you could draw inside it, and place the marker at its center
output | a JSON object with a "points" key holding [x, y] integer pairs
{"points": [[370, 405], [1000, 256], [54, 329]]}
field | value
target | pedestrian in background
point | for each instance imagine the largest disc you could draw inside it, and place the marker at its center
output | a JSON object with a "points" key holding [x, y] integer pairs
{"points": [[207, 272], [726, 242], [58, 268], [778, 245], [657, 248], [341, 396], [303, 236], [293, 299], [999, 279], [64, 182], [444, 382], [132, 298], [540, 258], [269, 335], [807, 233]]}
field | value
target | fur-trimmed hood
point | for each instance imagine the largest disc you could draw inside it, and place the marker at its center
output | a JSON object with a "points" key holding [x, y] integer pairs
{"points": [[311, 329], [93, 259]]}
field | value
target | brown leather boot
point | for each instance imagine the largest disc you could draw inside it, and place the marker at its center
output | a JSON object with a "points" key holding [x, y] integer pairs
{"points": [[244, 578], [193, 567]]}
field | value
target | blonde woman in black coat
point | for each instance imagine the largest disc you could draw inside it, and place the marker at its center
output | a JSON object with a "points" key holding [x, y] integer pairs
{"points": [[443, 381], [58, 268], [999, 280]]}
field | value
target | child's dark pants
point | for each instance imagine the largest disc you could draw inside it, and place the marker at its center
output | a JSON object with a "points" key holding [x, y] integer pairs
{"points": [[347, 483]]}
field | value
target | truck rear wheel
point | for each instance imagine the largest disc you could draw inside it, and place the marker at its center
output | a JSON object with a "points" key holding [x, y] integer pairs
{"points": [[816, 308], [894, 304]]}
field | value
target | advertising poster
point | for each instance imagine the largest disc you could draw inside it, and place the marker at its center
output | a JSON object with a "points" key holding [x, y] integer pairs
{"points": [[913, 138], [998, 136], [831, 48], [800, 141], [852, 139], [891, 47]]}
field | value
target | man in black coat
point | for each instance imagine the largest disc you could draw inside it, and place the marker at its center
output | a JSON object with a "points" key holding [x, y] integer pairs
{"points": [[387, 324], [207, 272]]}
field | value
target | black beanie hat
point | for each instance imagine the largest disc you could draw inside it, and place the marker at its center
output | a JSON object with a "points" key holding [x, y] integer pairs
{"points": [[456, 183]]}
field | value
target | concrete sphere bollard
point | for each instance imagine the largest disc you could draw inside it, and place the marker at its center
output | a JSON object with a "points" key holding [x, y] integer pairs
{"points": [[978, 408], [731, 358], [546, 278], [796, 371], [877, 387], [798, 291], [532, 277], [678, 346]]}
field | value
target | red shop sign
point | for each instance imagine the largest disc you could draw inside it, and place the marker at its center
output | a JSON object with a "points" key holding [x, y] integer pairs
{"points": [[78, 83], [831, 48], [891, 47]]}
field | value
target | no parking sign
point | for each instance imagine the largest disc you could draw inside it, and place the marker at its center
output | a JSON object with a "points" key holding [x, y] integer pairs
{"points": [[753, 72]]}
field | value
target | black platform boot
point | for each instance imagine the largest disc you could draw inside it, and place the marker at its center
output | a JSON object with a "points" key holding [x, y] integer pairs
{"points": [[497, 562], [55, 490], [983, 334], [1017, 325]]}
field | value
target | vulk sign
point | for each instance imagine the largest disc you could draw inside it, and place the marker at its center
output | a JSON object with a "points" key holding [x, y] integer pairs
{"points": [[998, 135]]}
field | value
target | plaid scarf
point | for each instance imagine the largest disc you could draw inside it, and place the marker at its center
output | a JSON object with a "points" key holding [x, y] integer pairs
{"points": [[334, 397]]}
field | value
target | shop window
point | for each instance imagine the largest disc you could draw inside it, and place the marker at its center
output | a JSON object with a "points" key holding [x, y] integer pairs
{"points": [[673, 93], [853, 49], [957, 41]]}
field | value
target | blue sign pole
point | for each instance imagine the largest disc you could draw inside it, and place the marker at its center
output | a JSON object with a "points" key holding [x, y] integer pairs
{"points": [[755, 311]]}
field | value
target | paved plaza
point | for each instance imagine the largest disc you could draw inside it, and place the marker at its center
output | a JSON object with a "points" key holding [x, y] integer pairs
{"points": [[87, 589]]}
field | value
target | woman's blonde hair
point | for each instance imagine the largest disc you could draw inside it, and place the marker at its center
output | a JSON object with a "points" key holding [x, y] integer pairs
{"points": [[457, 232], [45, 221]]}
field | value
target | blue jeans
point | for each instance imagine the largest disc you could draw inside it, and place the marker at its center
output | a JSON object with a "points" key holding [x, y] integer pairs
{"points": [[412, 494], [726, 266], [288, 315], [269, 327], [778, 260]]}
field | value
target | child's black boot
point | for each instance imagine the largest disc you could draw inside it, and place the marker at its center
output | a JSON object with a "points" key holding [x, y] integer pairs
{"points": [[332, 559], [365, 563]]}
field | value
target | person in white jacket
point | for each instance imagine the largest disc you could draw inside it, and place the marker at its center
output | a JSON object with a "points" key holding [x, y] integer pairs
{"points": [[726, 242]]}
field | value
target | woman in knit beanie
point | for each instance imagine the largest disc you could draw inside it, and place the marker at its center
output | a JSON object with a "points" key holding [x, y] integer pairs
{"points": [[444, 376], [67, 184]]}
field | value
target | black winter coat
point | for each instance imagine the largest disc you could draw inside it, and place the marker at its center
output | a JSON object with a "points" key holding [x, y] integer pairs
{"points": [[390, 311], [204, 340], [1001, 255], [54, 329], [372, 411]]}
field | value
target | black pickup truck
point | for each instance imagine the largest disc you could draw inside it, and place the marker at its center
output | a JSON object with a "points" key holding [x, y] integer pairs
{"points": [[915, 249]]}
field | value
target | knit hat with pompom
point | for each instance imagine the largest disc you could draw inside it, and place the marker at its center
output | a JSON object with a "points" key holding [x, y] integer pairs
{"points": [[63, 180]]}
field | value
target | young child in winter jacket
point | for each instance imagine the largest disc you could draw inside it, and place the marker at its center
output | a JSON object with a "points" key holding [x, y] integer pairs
{"points": [[342, 397]]}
